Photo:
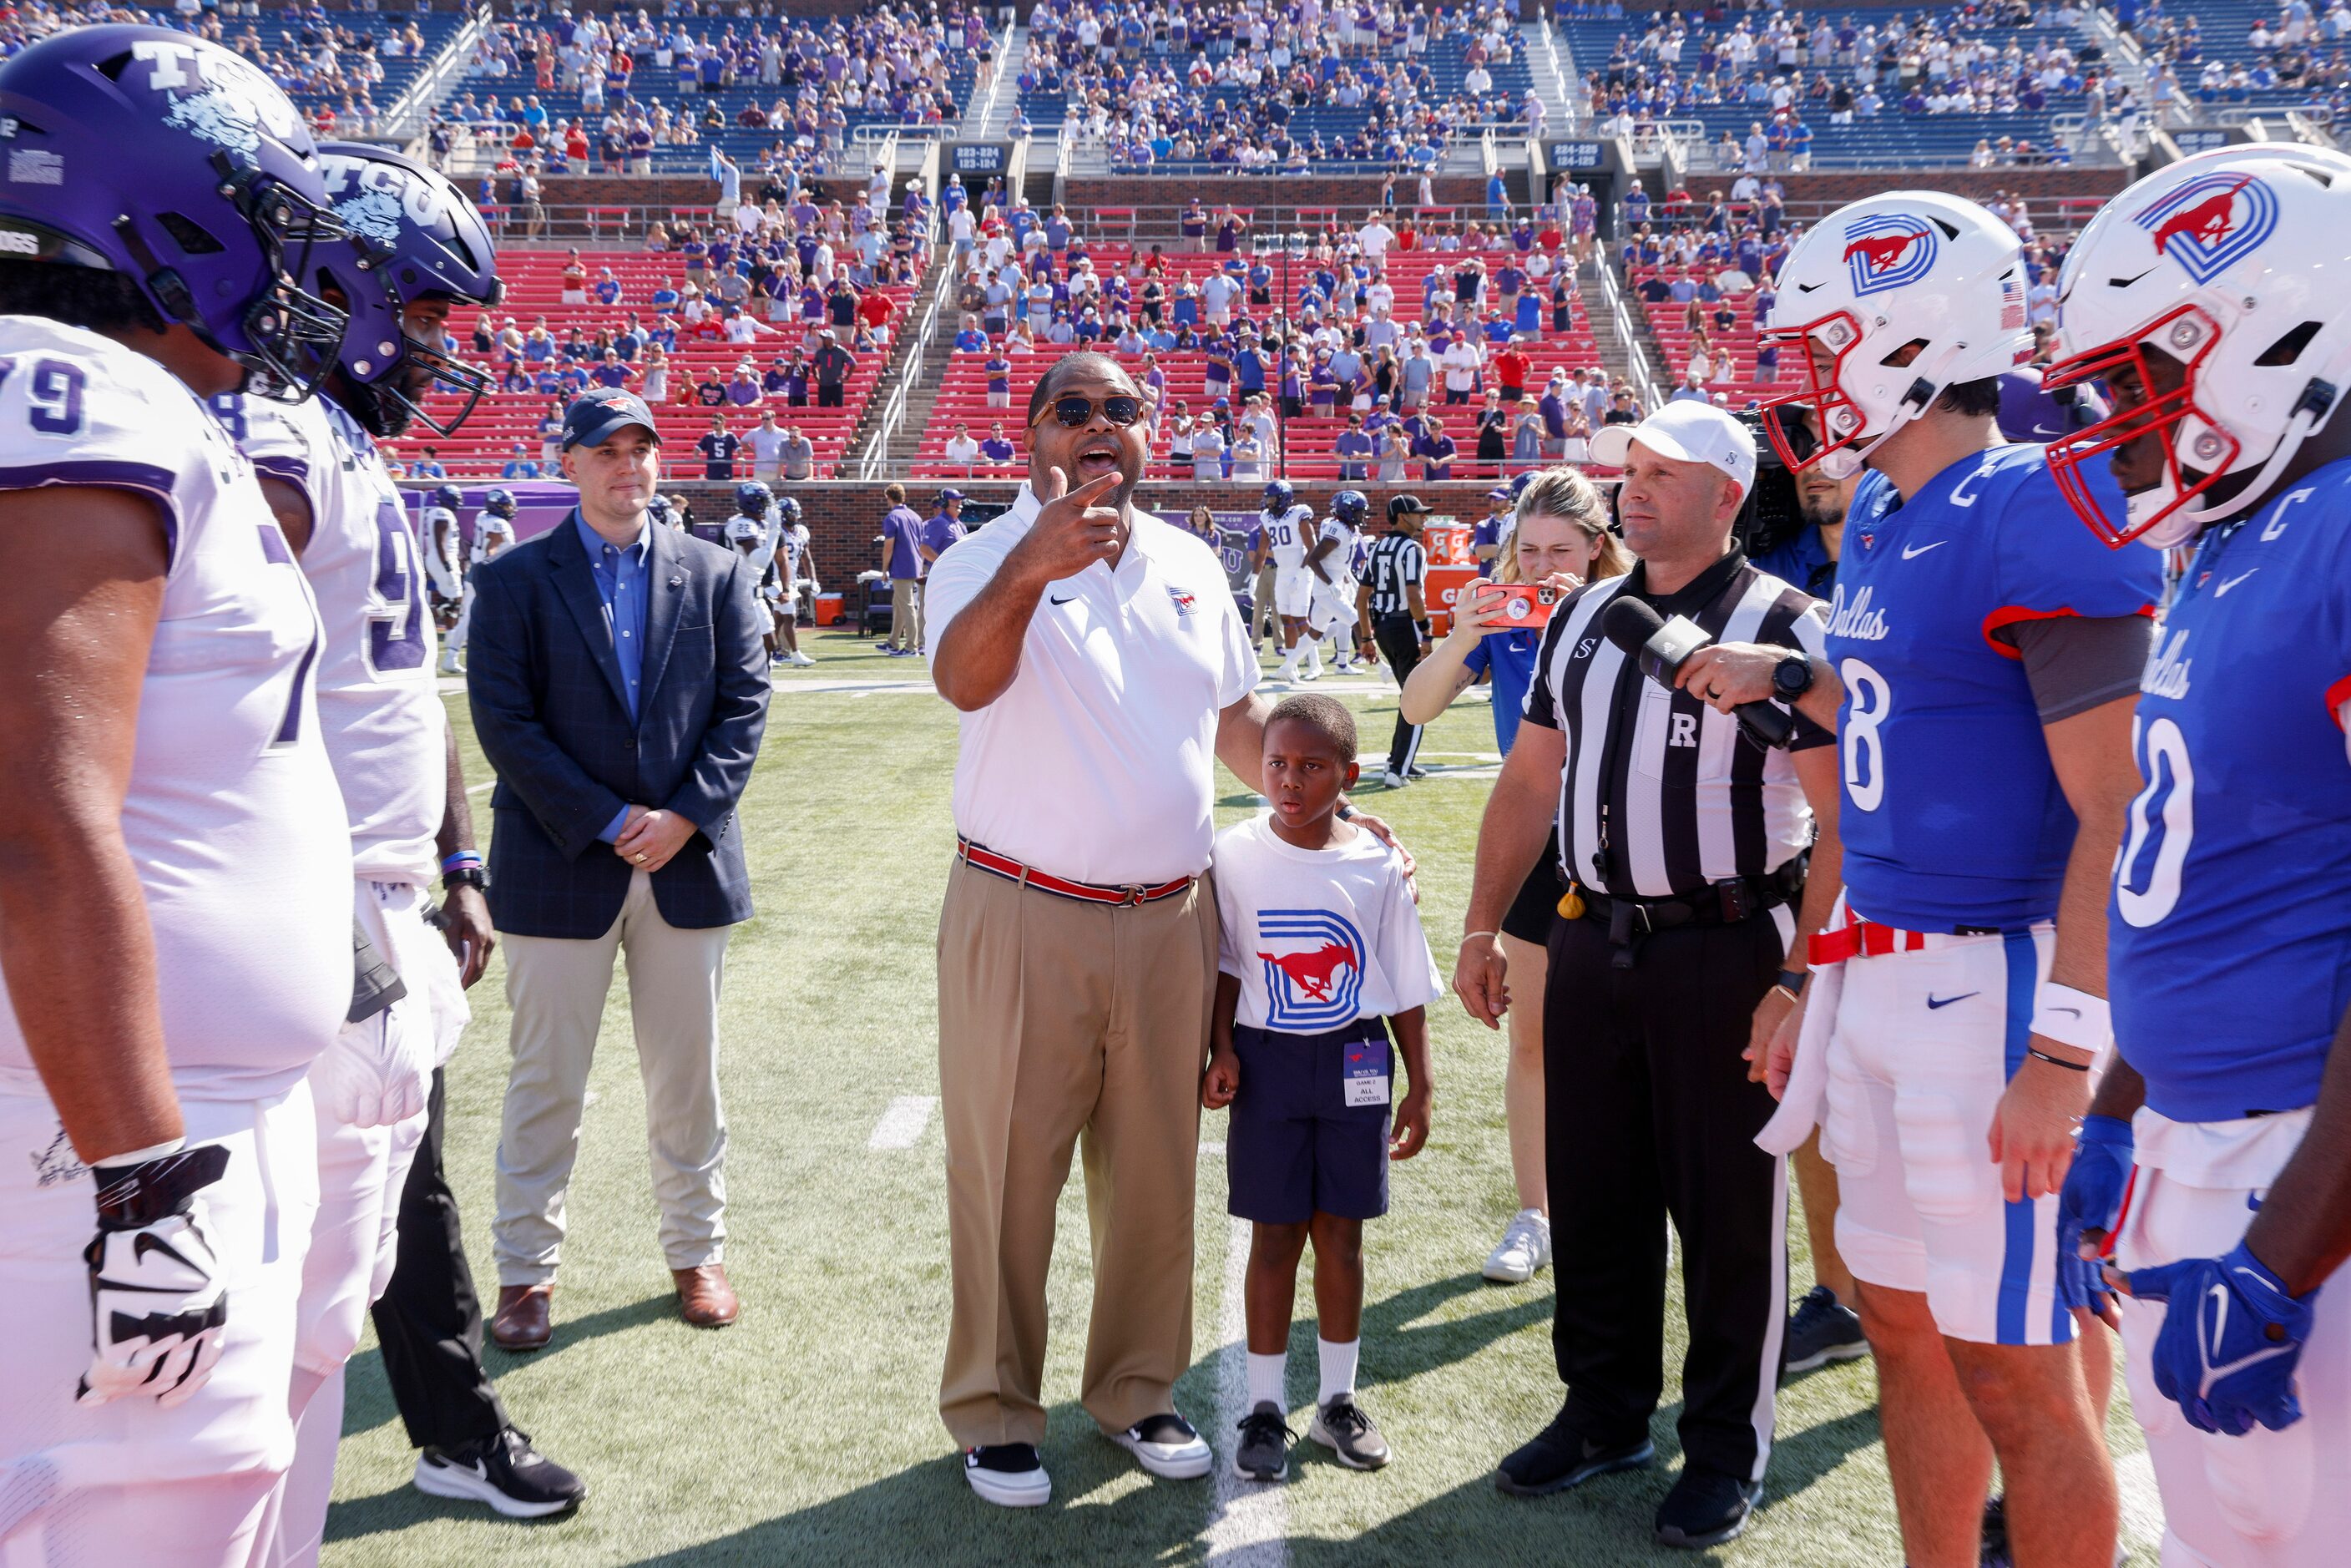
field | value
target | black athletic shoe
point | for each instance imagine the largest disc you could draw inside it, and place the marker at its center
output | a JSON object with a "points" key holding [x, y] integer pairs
{"points": [[1706, 1508], [1263, 1453], [505, 1471], [1416, 771], [1009, 1474], [1822, 1330], [1560, 1457]]}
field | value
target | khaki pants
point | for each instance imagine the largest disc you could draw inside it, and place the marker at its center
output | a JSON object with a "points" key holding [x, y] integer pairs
{"points": [[557, 988], [905, 613], [1264, 621], [1059, 1019]]}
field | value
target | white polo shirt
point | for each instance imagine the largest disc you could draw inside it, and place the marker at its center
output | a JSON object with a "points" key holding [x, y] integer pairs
{"points": [[1098, 763]]}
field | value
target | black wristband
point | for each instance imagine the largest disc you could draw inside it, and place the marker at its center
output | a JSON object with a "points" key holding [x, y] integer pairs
{"points": [[471, 876], [132, 1196], [2056, 1060], [1345, 812], [1793, 981], [1422, 627]]}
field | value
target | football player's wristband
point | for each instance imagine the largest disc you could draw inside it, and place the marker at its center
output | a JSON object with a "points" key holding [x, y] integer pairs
{"points": [[140, 1156], [2056, 1060], [2072, 1016], [1793, 981], [458, 859]]}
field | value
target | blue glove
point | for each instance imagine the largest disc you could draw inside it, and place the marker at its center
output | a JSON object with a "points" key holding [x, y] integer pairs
{"points": [[2092, 1199], [2227, 1353]]}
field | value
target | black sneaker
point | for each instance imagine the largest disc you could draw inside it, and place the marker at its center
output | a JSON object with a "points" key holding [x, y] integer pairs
{"points": [[1706, 1508], [1344, 1428], [503, 1470], [1009, 1474], [1416, 771], [1560, 1457], [1264, 1451], [1822, 1330]]}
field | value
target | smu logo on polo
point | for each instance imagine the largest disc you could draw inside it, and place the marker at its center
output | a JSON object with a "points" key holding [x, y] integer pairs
{"points": [[2210, 224], [1314, 977], [1887, 250]]}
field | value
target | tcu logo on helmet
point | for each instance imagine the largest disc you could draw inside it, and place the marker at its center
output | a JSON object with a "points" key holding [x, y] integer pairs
{"points": [[2210, 222], [1887, 250], [1314, 983], [216, 94], [371, 197]]}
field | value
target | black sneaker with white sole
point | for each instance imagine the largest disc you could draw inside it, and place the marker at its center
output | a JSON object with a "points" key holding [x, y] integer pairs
{"points": [[1009, 1474], [1341, 1427], [1560, 1457], [1263, 1454], [1168, 1447], [1706, 1508], [504, 1471], [1822, 1330]]}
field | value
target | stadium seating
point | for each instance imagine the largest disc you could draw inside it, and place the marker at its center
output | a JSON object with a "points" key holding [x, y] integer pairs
{"points": [[533, 287], [2192, 42], [293, 45], [963, 389]]}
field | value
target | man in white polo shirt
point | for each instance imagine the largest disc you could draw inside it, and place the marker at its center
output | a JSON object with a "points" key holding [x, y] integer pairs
{"points": [[767, 443], [1101, 667]]}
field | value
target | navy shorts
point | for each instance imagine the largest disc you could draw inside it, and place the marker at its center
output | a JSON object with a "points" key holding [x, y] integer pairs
{"points": [[1294, 1146]]}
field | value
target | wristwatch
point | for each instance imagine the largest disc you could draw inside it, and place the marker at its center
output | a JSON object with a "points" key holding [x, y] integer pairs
{"points": [[1792, 677], [471, 876]]}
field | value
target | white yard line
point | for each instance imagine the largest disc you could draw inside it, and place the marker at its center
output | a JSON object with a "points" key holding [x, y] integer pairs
{"points": [[903, 1122], [1250, 1525], [1214, 1147]]}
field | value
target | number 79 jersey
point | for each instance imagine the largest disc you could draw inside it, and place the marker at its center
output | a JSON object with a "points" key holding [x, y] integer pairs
{"points": [[232, 821], [378, 705], [2229, 942]]}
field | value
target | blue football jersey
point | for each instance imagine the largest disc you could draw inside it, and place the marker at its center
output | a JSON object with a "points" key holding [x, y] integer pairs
{"points": [[2228, 945], [1953, 816]]}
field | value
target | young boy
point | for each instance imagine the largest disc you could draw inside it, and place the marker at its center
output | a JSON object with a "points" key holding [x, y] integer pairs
{"points": [[1322, 941]]}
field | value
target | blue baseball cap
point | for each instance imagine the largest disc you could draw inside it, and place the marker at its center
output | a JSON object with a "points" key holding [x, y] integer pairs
{"points": [[593, 416]]}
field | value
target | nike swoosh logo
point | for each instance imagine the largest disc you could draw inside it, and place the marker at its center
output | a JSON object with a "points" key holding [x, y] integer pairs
{"points": [[2233, 582], [2055, 1009], [1933, 1002], [1070, 600], [1910, 550]]}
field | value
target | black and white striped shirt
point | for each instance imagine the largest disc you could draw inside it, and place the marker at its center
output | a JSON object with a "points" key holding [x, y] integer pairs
{"points": [[1397, 562], [1662, 795]]}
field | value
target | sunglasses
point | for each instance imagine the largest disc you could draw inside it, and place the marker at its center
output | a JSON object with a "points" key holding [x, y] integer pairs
{"points": [[1077, 412]]}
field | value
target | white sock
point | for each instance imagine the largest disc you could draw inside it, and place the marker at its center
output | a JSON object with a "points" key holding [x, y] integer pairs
{"points": [[1266, 1378], [1338, 1367]]}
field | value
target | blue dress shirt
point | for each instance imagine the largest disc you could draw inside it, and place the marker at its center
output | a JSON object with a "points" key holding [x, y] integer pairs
{"points": [[623, 583]]}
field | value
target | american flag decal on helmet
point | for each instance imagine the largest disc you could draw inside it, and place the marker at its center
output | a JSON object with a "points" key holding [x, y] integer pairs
{"points": [[2011, 304]]}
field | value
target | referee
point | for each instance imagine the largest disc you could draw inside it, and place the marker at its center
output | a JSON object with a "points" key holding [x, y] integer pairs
{"points": [[1684, 843], [1394, 608]]}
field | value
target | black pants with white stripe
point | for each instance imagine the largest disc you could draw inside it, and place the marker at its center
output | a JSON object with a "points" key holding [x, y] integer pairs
{"points": [[1399, 640], [429, 1319], [1649, 1117]]}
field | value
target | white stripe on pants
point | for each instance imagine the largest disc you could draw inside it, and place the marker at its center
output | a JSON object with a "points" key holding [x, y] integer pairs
{"points": [[557, 988]]}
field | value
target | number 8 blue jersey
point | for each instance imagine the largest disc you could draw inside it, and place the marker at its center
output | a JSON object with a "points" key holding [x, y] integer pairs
{"points": [[1953, 816], [2228, 945]]}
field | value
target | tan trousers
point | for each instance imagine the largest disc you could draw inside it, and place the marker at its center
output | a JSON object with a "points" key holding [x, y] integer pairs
{"points": [[1265, 622], [905, 613], [557, 988], [1060, 1020]]}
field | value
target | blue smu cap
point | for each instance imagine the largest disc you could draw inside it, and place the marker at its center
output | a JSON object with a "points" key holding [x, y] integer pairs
{"points": [[594, 416]]}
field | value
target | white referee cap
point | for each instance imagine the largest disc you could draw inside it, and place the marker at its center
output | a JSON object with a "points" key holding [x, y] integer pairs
{"points": [[1685, 432]]}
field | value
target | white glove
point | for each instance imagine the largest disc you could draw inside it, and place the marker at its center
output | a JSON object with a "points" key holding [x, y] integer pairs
{"points": [[158, 1309], [378, 1072]]}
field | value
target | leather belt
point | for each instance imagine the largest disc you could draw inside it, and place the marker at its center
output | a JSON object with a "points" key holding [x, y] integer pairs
{"points": [[982, 858]]}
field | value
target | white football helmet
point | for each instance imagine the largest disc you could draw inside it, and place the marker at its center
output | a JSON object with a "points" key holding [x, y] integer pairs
{"points": [[1871, 279], [2217, 262]]}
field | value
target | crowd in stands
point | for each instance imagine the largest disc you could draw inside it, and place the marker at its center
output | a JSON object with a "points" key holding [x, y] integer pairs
{"points": [[571, 92], [2292, 53], [1796, 70], [1436, 383], [1238, 86]]}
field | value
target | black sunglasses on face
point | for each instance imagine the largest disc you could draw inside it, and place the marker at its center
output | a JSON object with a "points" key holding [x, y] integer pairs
{"points": [[1077, 412]]}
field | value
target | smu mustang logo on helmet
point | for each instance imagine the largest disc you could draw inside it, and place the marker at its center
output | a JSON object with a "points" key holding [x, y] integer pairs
{"points": [[1887, 250], [2210, 224], [1315, 985]]}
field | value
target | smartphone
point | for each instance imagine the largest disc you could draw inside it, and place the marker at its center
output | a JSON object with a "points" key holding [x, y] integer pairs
{"points": [[1528, 604]]}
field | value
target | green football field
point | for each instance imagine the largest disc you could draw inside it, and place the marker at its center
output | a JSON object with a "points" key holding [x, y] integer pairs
{"points": [[808, 1432]]}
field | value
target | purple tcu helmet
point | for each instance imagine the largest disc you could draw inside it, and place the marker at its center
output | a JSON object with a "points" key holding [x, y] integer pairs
{"points": [[413, 236], [178, 164]]}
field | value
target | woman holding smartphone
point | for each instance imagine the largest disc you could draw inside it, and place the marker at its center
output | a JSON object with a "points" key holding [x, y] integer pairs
{"points": [[1559, 533]]}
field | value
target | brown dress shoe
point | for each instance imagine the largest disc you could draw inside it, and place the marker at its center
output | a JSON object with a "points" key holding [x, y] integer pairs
{"points": [[526, 1317], [705, 1297]]}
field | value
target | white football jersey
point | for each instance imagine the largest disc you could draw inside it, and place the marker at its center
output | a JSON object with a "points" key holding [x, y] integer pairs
{"points": [[491, 535], [791, 548], [441, 539], [740, 527], [1341, 563], [233, 819], [1290, 535], [385, 730]]}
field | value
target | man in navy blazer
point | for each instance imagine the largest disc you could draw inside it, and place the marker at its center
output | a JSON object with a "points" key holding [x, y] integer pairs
{"points": [[619, 685]]}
